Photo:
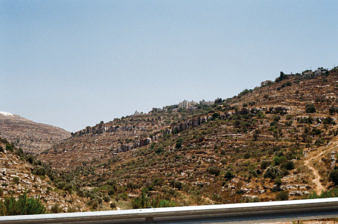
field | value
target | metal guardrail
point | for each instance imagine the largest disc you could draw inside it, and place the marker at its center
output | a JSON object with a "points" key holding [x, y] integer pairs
{"points": [[310, 207]]}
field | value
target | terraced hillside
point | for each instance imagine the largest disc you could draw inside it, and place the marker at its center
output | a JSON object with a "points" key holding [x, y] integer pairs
{"points": [[276, 141], [103, 141]]}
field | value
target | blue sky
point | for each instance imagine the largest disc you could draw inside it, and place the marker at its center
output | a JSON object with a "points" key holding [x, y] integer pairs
{"points": [[74, 63]]}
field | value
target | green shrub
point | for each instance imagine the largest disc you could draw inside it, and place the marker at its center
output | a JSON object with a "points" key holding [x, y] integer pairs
{"points": [[178, 143], [229, 175], [106, 198], [159, 150], [334, 176], [316, 131], [328, 120], [214, 170], [279, 160], [22, 206], [247, 155], [178, 185], [166, 203], [141, 201], [112, 205], [215, 116], [39, 171], [310, 108], [333, 110], [9, 147], [16, 180], [68, 187], [272, 172], [158, 203], [265, 164], [325, 194], [289, 165]]}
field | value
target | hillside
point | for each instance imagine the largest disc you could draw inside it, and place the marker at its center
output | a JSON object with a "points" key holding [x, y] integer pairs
{"points": [[276, 141], [104, 140], [20, 173], [30, 136]]}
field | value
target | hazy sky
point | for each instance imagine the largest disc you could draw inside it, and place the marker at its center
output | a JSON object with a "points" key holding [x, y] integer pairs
{"points": [[74, 63]]}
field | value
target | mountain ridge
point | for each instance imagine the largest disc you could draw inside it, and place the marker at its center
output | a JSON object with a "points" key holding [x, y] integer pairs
{"points": [[31, 136]]}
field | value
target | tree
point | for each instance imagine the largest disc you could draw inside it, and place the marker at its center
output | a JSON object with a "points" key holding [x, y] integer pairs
{"points": [[281, 77], [218, 101]]}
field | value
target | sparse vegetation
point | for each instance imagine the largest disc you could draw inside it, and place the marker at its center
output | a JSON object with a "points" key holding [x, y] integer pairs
{"points": [[23, 205]]}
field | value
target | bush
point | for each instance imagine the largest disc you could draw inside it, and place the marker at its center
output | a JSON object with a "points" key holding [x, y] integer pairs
{"points": [[39, 171], [159, 150], [316, 131], [215, 116], [333, 110], [229, 175], [328, 120], [289, 165], [106, 198], [307, 120], [178, 143], [282, 196], [1, 192], [244, 92], [9, 147], [334, 176], [166, 203], [247, 155], [16, 180], [214, 170], [112, 205], [178, 185], [141, 201], [325, 194], [68, 187], [279, 160], [22, 206], [310, 108], [265, 164], [272, 172], [158, 203]]}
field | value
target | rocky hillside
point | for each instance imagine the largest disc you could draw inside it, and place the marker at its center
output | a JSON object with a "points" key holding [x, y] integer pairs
{"points": [[20, 173], [104, 140], [276, 141], [30, 136]]}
